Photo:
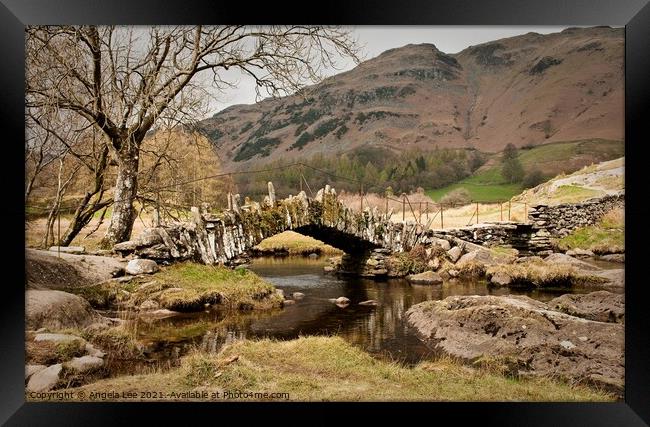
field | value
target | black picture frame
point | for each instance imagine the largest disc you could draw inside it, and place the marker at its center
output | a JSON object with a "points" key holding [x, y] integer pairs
{"points": [[633, 14]]}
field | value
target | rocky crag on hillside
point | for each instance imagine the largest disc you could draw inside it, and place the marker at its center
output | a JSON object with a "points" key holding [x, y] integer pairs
{"points": [[526, 90]]}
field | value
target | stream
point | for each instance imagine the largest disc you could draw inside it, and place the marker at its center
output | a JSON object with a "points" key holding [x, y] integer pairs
{"points": [[380, 330]]}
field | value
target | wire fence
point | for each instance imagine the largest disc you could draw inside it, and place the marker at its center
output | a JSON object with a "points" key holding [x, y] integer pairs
{"points": [[432, 214]]}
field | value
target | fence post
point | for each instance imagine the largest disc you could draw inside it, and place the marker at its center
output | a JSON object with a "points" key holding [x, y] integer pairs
{"points": [[157, 213], [361, 194], [525, 213], [58, 239], [477, 212], [427, 210]]}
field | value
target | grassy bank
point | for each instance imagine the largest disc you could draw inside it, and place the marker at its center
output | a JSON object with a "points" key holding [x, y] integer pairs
{"points": [[608, 236], [328, 368], [187, 286], [293, 243]]}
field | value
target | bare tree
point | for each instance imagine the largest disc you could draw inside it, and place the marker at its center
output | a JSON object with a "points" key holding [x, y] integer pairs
{"points": [[66, 137], [55, 209], [126, 81], [39, 154]]}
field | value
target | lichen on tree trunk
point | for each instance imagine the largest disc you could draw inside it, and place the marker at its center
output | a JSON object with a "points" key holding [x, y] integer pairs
{"points": [[126, 189]]}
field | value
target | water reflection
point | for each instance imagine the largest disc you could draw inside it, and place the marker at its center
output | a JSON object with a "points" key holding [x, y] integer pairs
{"points": [[381, 330]]}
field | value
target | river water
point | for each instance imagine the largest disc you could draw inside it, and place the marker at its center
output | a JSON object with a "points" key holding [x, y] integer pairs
{"points": [[380, 330]]}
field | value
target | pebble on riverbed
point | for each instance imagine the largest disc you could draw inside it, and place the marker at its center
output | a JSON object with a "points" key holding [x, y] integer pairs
{"points": [[340, 301]]}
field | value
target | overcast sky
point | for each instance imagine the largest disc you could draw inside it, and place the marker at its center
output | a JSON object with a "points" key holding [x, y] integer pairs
{"points": [[377, 39]]}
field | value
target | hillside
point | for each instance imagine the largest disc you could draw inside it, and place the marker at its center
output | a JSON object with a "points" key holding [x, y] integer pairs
{"points": [[487, 184], [527, 90], [596, 180]]}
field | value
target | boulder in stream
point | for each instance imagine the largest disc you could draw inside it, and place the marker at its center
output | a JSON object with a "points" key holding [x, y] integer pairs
{"points": [[341, 301], [426, 278]]}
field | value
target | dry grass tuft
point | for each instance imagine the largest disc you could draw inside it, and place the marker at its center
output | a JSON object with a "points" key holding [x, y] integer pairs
{"points": [[293, 243], [539, 274]]}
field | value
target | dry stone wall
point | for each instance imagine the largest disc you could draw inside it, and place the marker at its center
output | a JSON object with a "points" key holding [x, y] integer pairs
{"points": [[560, 220]]}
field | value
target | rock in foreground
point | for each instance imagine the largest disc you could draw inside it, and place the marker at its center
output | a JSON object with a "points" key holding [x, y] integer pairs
{"points": [[58, 310], [527, 333], [141, 266], [602, 306], [45, 380], [85, 363]]}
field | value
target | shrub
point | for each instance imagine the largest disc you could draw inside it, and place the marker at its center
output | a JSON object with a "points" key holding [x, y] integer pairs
{"points": [[543, 64], [533, 179], [303, 140], [472, 270], [341, 131], [459, 196], [327, 126], [261, 147], [404, 264], [246, 127], [119, 341]]}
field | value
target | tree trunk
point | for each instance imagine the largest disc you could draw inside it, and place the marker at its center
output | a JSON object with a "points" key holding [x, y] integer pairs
{"points": [[81, 219], [126, 189], [87, 207]]}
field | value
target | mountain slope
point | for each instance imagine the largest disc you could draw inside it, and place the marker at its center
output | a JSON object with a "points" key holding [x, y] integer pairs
{"points": [[526, 90]]}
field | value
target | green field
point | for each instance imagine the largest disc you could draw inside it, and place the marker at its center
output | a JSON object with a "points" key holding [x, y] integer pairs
{"points": [[487, 185], [479, 192]]}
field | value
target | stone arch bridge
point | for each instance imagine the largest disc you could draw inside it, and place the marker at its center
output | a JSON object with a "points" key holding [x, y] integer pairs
{"points": [[223, 237], [219, 238]]}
